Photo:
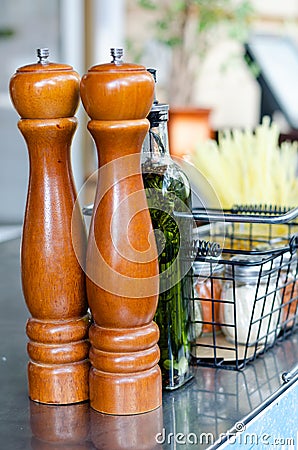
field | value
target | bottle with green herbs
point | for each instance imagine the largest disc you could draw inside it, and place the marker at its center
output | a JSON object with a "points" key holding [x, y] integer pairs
{"points": [[168, 194]]}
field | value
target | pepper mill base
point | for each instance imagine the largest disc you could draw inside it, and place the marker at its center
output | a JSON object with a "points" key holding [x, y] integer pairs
{"points": [[59, 384], [125, 394]]}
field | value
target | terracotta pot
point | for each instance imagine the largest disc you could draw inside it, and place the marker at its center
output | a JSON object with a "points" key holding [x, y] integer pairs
{"points": [[187, 127]]}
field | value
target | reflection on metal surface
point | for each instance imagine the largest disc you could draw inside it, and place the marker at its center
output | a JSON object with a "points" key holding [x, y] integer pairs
{"points": [[198, 413], [217, 399], [59, 426], [135, 432], [78, 427]]}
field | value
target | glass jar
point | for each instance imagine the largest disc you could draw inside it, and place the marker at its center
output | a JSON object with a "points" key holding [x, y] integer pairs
{"points": [[289, 289], [207, 290], [250, 309], [168, 192]]}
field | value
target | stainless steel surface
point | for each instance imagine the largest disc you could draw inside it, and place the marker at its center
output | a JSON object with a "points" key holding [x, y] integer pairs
{"points": [[213, 402]]}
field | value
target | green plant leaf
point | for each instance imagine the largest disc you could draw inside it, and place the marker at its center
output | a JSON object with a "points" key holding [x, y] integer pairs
{"points": [[6, 32], [147, 4]]}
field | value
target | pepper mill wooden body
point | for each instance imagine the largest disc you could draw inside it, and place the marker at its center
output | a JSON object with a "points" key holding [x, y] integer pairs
{"points": [[46, 96], [122, 268]]}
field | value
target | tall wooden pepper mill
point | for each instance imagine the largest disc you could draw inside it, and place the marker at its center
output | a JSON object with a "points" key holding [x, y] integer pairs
{"points": [[46, 96], [122, 268]]}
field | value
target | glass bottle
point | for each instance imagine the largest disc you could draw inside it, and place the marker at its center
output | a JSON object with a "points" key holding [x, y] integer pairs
{"points": [[168, 193]]}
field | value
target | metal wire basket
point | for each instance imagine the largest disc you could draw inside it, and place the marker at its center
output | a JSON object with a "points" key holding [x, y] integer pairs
{"points": [[245, 283]]}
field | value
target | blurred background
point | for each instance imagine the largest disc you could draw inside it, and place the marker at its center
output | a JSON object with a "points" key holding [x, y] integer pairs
{"points": [[198, 48]]}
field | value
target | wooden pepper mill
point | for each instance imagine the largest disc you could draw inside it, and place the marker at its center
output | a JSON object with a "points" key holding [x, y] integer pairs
{"points": [[122, 268], [46, 96]]}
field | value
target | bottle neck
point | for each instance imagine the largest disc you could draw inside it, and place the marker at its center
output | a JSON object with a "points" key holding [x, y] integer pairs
{"points": [[156, 143]]}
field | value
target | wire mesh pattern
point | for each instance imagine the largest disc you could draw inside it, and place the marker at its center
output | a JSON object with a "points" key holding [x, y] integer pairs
{"points": [[246, 296]]}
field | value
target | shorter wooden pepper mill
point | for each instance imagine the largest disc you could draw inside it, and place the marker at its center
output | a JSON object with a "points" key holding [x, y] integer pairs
{"points": [[122, 267], [46, 96]]}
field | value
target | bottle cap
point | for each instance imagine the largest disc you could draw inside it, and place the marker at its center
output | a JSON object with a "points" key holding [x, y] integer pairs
{"points": [[159, 111]]}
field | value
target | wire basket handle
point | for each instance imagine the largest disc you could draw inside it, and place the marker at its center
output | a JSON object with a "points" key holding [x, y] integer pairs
{"points": [[247, 214]]}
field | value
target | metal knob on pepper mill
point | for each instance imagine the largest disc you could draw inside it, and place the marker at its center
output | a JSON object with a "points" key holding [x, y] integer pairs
{"points": [[46, 96], [122, 266]]}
